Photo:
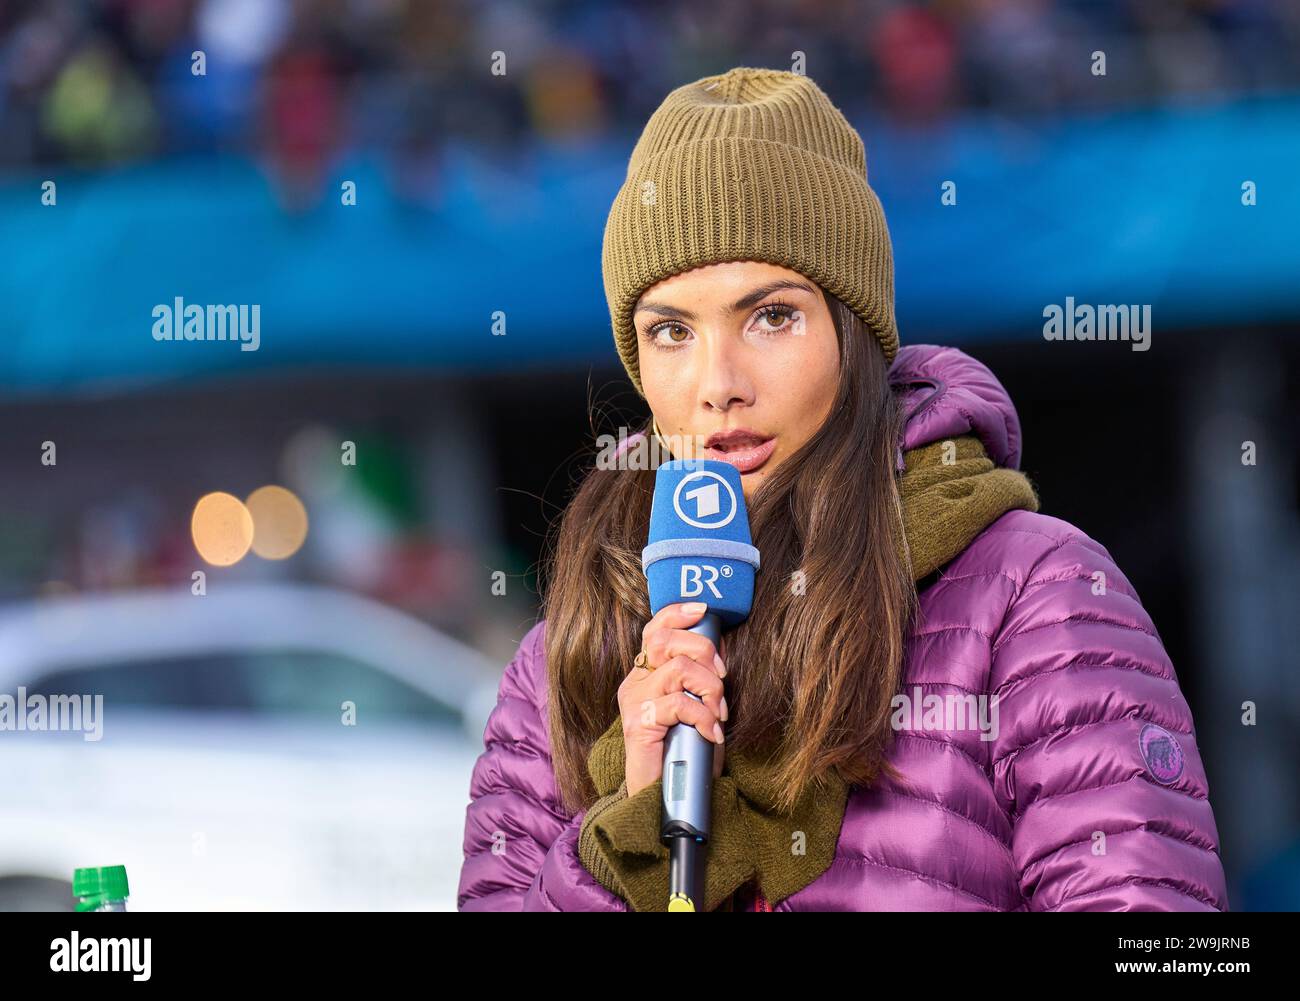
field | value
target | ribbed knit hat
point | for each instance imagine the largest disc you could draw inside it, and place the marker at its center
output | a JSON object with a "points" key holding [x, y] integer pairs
{"points": [[750, 165]]}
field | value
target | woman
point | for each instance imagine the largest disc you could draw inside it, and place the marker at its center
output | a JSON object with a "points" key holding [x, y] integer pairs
{"points": [[941, 700]]}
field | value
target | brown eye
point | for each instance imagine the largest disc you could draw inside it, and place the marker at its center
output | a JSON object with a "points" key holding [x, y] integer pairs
{"points": [[773, 319], [673, 343]]}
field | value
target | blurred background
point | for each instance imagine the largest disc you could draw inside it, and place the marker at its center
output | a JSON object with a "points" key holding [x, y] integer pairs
{"points": [[413, 196]]}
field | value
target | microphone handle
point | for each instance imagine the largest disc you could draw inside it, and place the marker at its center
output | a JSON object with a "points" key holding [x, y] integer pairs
{"points": [[688, 793]]}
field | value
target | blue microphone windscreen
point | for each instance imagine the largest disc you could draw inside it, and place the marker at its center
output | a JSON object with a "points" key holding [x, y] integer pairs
{"points": [[699, 547]]}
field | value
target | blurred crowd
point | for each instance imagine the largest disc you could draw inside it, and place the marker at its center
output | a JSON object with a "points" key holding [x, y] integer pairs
{"points": [[298, 81]]}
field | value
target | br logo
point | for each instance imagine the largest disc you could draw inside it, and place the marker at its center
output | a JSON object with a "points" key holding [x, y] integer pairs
{"points": [[709, 497]]}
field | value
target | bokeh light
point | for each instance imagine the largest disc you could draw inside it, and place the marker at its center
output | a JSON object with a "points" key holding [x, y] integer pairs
{"points": [[279, 522], [222, 529]]}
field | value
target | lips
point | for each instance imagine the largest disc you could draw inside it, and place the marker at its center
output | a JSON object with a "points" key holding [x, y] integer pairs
{"points": [[744, 449]]}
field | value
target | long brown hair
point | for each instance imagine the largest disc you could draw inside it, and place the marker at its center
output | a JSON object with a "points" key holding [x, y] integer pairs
{"points": [[811, 674]]}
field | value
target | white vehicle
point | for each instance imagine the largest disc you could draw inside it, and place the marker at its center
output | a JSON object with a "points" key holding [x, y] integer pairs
{"points": [[225, 775]]}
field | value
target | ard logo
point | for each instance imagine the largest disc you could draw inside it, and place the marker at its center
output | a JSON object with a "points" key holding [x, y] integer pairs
{"points": [[704, 499]]}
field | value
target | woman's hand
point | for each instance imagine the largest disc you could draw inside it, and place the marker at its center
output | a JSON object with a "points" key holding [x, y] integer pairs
{"points": [[651, 701]]}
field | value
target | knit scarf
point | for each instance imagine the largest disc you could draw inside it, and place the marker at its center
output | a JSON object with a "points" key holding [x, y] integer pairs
{"points": [[950, 492]]}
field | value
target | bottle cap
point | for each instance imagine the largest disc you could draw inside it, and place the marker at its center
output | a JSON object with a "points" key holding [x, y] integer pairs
{"points": [[97, 885]]}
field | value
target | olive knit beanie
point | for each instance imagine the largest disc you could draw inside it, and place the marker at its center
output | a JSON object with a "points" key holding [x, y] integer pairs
{"points": [[749, 165]]}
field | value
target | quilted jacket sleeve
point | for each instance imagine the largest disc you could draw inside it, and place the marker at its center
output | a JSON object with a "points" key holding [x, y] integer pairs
{"points": [[520, 847], [1095, 759]]}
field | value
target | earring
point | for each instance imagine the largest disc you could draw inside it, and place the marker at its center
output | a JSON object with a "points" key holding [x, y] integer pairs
{"points": [[654, 423]]}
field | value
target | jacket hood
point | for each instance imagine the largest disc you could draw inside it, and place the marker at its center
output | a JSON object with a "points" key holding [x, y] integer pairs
{"points": [[945, 394]]}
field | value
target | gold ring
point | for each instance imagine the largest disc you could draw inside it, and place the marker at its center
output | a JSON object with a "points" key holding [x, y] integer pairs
{"points": [[642, 662]]}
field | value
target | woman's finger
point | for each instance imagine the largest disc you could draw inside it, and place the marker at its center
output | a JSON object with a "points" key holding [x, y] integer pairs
{"points": [[668, 710], [667, 634], [662, 645], [684, 674], [676, 615]]}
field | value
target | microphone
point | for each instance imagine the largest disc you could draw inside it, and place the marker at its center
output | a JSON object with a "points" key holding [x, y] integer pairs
{"points": [[699, 550]]}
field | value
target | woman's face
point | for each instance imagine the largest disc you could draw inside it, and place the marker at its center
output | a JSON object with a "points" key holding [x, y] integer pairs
{"points": [[744, 347]]}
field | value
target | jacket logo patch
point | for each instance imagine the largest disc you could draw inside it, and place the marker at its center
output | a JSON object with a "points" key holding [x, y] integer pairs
{"points": [[1161, 752]]}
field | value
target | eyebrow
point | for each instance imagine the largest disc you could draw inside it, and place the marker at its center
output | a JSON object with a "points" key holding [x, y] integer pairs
{"points": [[745, 302]]}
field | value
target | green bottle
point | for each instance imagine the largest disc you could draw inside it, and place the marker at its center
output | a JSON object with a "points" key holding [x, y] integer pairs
{"points": [[102, 888]]}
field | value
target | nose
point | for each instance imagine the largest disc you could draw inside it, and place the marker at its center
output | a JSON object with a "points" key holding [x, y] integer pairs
{"points": [[723, 381]]}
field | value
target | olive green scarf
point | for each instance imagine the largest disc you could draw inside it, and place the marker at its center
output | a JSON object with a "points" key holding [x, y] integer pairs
{"points": [[950, 491]]}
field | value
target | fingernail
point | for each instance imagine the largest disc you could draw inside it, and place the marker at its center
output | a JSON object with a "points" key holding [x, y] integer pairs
{"points": [[691, 607], [717, 729], [722, 668], [724, 708]]}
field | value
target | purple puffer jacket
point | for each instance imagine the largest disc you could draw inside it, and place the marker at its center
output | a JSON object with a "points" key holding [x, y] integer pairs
{"points": [[1091, 797]]}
